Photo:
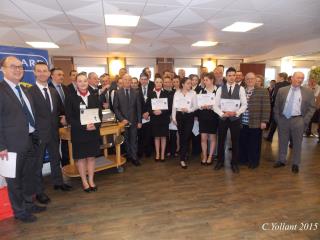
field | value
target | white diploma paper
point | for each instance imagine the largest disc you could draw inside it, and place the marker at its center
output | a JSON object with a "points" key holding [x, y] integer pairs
{"points": [[159, 103], [205, 99], [8, 167], [182, 103], [88, 116], [229, 105]]}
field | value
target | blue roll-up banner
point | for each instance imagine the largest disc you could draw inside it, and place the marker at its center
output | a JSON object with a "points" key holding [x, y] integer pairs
{"points": [[28, 56]]}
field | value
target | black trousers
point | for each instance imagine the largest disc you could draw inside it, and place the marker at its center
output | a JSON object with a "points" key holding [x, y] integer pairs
{"points": [[272, 129], [196, 144], [145, 140], [64, 153], [250, 146], [131, 141], [171, 146], [185, 125], [234, 127], [52, 147], [21, 188]]}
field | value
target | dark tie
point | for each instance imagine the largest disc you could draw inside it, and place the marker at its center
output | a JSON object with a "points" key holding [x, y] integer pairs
{"points": [[47, 98], [229, 92], [25, 108], [144, 91], [127, 96], [61, 93]]}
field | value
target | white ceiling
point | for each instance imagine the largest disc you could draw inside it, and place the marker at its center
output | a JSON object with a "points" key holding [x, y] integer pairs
{"points": [[167, 28]]}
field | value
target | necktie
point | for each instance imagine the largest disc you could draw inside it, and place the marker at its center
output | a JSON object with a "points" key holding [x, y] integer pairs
{"points": [[229, 92], [47, 98], [25, 108], [61, 93], [127, 96], [287, 112]]}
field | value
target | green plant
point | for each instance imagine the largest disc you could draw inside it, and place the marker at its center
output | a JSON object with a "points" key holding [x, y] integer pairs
{"points": [[315, 74]]}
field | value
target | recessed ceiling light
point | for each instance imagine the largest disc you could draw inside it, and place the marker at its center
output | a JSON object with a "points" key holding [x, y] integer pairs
{"points": [[204, 44], [121, 20], [43, 44], [241, 27], [118, 40]]}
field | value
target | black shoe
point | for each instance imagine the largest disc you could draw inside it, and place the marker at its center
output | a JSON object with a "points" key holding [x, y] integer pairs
{"points": [[203, 163], [37, 209], [156, 159], [26, 218], [94, 189], [218, 166], [63, 187], [162, 159], [278, 165], [295, 168], [42, 198], [136, 162], [87, 190], [235, 168]]}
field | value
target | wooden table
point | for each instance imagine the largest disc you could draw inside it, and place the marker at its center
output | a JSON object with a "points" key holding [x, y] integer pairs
{"points": [[102, 163]]}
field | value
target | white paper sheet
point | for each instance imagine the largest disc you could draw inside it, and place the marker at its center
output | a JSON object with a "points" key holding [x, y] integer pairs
{"points": [[143, 121], [205, 99], [229, 105], [172, 126], [88, 116], [8, 167], [159, 103], [182, 102]]}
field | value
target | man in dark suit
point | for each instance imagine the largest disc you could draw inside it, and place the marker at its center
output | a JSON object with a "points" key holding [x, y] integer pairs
{"points": [[127, 108], [93, 80], [57, 78], [18, 134], [293, 109], [240, 78], [281, 82], [144, 134], [47, 114], [72, 88]]}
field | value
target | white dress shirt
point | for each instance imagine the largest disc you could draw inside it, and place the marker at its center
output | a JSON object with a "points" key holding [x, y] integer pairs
{"points": [[41, 87], [84, 98], [26, 100], [296, 108], [191, 95], [243, 100]]}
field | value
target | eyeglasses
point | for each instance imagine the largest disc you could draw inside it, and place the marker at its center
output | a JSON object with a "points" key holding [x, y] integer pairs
{"points": [[14, 67]]}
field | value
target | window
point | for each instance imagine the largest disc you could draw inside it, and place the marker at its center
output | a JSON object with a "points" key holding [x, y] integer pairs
{"points": [[98, 70], [188, 70], [304, 70], [136, 71], [270, 74]]}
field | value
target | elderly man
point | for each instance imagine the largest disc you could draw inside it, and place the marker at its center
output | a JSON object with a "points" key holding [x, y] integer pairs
{"points": [[294, 107], [93, 80], [127, 108], [182, 73], [18, 134], [253, 121], [218, 75]]}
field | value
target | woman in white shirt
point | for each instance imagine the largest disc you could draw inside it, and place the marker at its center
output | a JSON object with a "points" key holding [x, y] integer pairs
{"points": [[184, 105]]}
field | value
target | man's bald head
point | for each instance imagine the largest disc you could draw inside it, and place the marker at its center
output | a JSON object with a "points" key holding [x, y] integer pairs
{"points": [[297, 79]]}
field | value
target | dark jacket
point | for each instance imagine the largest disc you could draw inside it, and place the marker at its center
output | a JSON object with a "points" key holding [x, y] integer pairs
{"points": [[164, 117]]}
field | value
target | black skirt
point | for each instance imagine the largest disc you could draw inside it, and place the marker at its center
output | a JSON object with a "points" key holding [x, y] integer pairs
{"points": [[160, 130], [82, 150], [208, 126]]}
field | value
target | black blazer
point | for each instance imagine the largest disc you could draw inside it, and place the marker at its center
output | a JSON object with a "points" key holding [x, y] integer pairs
{"points": [[14, 127], [144, 102], [70, 88], [47, 122], [206, 114], [164, 117], [122, 110], [79, 133]]}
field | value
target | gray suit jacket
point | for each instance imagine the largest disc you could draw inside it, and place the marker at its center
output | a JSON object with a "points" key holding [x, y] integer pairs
{"points": [[131, 111], [14, 128], [307, 103]]}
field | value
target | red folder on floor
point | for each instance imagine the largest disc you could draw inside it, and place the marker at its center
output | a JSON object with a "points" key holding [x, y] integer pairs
{"points": [[5, 206]]}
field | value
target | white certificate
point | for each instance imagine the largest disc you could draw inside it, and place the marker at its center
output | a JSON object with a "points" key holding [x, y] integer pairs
{"points": [[205, 99], [159, 103], [88, 116], [229, 105], [182, 103], [8, 167]]}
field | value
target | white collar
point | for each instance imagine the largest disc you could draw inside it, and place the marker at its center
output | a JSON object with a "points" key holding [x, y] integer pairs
{"points": [[41, 86]]}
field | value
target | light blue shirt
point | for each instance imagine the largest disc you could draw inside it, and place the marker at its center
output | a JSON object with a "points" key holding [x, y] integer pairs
{"points": [[26, 100], [296, 108]]}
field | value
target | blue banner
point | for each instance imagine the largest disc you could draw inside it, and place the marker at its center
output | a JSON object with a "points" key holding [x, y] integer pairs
{"points": [[28, 56]]}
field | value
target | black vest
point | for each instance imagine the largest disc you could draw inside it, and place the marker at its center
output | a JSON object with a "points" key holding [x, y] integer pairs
{"points": [[235, 95]]}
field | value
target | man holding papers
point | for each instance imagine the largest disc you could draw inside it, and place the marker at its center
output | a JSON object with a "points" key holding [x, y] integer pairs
{"points": [[18, 135], [159, 110], [230, 103], [85, 134]]}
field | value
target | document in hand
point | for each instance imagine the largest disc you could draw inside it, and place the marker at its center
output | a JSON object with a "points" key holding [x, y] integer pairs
{"points": [[88, 116], [8, 166], [229, 105], [159, 103]]}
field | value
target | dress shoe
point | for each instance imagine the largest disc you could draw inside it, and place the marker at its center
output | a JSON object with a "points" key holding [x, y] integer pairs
{"points": [[162, 159], [156, 159], [136, 162], [63, 187], [87, 190], [204, 163], [295, 168], [37, 209], [278, 164], [42, 198], [183, 165], [218, 166], [235, 168], [26, 218], [209, 161], [94, 189]]}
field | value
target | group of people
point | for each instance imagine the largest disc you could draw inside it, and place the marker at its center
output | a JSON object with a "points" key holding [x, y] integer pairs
{"points": [[30, 120]]}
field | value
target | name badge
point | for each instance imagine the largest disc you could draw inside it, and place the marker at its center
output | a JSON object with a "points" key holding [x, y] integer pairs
{"points": [[82, 107]]}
